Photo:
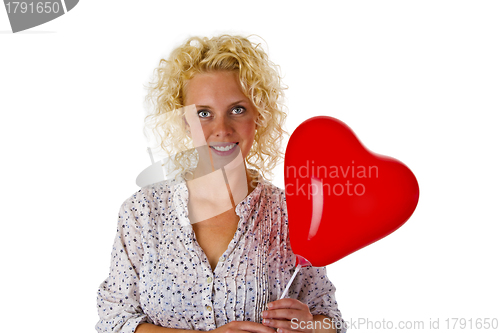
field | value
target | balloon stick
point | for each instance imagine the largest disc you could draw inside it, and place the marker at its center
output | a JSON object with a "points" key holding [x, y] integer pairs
{"points": [[285, 292]]}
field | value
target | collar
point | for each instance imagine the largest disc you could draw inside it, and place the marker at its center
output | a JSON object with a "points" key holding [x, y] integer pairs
{"points": [[180, 198]]}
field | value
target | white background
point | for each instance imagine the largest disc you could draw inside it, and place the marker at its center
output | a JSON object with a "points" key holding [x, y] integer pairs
{"points": [[416, 80]]}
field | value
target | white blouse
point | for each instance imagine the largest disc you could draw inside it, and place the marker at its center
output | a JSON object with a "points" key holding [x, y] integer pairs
{"points": [[159, 274]]}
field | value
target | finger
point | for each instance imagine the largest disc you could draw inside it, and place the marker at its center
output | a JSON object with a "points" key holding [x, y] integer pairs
{"points": [[284, 330], [286, 314], [283, 324], [287, 303], [249, 326]]}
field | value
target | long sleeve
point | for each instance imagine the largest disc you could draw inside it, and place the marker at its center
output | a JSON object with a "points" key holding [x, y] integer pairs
{"points": [[118, 296], [312, 287]]}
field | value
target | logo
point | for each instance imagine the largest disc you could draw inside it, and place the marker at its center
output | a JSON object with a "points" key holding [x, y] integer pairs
{"points": [[28, 14]]}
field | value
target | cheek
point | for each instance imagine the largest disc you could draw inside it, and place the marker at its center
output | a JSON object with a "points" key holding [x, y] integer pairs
{"points": [[249, 132]]}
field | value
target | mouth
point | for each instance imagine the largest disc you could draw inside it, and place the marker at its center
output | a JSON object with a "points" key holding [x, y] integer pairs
{"points": [[224, 148]]}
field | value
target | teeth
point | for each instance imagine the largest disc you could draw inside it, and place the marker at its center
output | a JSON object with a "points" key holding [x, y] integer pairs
{"points": [[221, 148]]}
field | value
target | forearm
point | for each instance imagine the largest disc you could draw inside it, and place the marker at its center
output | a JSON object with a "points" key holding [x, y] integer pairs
{"points": [[325, 325], [150, 328]]}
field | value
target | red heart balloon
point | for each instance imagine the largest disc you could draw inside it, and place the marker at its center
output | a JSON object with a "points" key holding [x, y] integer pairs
{"points": [[340, 196]]}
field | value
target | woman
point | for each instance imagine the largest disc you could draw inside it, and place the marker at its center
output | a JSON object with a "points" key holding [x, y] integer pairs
{"points": [[209, 250]]}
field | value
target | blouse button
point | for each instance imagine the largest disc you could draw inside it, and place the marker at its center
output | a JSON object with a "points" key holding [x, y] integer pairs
{"points": [[222, 258], [209, 308], [209, 279]]}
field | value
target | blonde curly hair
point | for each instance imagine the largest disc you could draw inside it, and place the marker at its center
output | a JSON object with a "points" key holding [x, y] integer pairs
{"points": [[260, 81]]}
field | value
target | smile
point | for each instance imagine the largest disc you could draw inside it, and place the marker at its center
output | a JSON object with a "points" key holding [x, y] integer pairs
{"points": [[224, 149]]}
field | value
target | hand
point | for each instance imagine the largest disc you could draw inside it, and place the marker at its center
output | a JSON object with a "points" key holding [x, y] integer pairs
{"points": [[281, 313], [243, 326]]}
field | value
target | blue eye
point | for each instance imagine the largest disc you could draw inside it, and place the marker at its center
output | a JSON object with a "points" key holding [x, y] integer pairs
{"points": [[203, 114], [239, 110]]}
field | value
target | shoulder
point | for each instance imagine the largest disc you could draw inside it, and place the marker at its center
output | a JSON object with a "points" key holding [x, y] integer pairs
{"points": [[149, 198], [272, 194], [149, 193], [157, 190], [270, 201]]}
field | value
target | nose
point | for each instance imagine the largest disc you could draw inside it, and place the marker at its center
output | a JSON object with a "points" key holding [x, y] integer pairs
{"points": [[222, 127]]}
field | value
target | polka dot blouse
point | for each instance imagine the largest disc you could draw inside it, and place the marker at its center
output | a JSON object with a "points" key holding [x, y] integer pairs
{"points": [[160, 275]]}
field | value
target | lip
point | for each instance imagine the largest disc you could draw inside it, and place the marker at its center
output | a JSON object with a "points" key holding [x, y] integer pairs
{"points": [[225, 153]]}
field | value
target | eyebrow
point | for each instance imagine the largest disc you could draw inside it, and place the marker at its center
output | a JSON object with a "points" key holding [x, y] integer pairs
{"points": [[230, 105]]}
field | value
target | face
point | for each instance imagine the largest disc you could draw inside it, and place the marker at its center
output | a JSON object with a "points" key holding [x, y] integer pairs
{"points": [[227, 117]]}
